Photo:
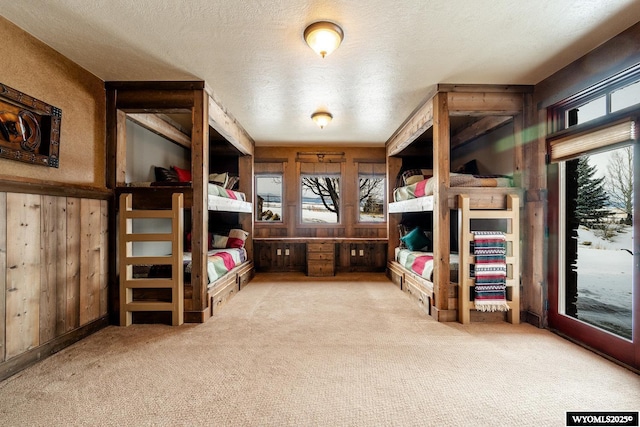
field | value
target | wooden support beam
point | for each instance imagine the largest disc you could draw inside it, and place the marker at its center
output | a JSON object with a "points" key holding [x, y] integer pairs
{"points": [[159, 126], [484, 103], [199, 209], [441, 213]]}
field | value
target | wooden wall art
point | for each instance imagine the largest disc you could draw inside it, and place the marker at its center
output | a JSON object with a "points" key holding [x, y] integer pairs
{"points": [[29, 128]]}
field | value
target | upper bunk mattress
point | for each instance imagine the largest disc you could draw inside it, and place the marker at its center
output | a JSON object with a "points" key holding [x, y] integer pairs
{"points": [[426, 187]]}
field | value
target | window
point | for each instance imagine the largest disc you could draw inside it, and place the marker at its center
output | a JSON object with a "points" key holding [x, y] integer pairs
{"points": [[371, 187], [269, 198], [320, 191], [320, 198], [604, 100]]}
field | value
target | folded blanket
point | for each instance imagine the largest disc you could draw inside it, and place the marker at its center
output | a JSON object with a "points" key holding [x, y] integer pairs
{"points": [[490, 271]]}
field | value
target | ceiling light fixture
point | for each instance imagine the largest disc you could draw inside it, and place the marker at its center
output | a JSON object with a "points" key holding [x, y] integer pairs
{"points": [[321, 118], [323, 37]]}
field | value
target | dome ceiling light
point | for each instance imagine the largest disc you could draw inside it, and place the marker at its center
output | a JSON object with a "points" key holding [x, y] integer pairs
{"points": [[322, 118], [323, 37]]}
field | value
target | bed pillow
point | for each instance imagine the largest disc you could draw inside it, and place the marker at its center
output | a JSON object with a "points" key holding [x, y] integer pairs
{"points": [[220, 241], [184, 175], [411, 176], [416, 240], [219, 179], [237, 237], [165, 175]]}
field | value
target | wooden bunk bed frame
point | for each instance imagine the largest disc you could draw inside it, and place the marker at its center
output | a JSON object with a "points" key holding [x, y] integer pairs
{"points": [[149, 104], [490, 107]]}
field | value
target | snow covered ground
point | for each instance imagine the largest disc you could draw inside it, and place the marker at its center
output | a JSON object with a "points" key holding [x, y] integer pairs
{"points": [[605, 281]]}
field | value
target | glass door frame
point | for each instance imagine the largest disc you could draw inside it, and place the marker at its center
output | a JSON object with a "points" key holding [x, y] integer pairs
{"points": [[609, 344]]}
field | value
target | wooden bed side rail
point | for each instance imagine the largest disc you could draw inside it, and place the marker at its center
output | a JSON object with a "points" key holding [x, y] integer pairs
{"points": [[466, 214], [126, 238]]}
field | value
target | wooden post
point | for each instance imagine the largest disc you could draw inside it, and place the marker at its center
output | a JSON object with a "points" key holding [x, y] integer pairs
{"points": [[441, 215], [199, 208]]}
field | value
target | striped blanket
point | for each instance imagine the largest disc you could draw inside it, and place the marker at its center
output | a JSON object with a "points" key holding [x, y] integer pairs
{"points": [[219, 262], [421, 263], [490, 271]]}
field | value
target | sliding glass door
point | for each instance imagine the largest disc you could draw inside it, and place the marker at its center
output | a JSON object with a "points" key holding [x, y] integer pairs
{"points": [[597, 232], [594, 233]]}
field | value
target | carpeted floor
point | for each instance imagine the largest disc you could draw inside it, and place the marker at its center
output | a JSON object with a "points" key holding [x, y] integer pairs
{"points": [[292, 351]]}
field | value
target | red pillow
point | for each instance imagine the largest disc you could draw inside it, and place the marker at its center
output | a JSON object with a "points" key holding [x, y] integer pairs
{"points": [[184, 175]]}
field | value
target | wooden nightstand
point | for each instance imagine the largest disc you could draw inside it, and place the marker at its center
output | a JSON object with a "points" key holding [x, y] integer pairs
{"points": [[321, 259]]}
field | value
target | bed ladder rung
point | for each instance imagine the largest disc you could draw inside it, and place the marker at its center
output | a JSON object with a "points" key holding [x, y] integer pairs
{"points": [[145, 283], [148, 237], [149, 306], [144, 260]]}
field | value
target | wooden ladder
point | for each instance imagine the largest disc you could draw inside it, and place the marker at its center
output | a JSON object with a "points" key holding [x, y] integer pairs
{"points": [[127, 261], [512, 236]]}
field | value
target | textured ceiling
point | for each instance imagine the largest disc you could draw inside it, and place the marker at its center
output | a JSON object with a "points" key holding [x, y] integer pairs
{"points": [[252, 54]]}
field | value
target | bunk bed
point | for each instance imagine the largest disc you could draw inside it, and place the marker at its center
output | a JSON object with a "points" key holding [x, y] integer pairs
{"points": [[216, 233], [430, 259]]}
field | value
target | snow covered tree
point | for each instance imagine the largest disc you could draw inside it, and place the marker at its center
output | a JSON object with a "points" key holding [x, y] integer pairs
{"points": [[592, 198], [619, 181]]}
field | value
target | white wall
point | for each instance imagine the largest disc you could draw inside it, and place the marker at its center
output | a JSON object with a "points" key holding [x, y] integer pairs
{"points": [[145, 150], [493, 152]]}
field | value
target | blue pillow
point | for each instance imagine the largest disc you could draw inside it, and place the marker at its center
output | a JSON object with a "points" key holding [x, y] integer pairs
{"points": [[416, 240]]}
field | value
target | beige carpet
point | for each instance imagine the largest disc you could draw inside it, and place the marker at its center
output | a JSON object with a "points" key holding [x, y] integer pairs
{"points": [[291, 351]]}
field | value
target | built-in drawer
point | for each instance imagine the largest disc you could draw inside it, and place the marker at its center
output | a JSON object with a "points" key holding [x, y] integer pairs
{"points": [[320, 268], [320, 247], [319, 256]]}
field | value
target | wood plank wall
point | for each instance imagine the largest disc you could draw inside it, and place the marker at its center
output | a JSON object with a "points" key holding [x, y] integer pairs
{"points": [[53, 268]]}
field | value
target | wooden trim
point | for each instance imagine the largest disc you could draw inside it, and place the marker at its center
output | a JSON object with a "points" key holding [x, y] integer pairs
{"points": [[30, 357], [484, 88], [417, 124], [29, 186], [230, 129], [484, 104], [156, 85]]}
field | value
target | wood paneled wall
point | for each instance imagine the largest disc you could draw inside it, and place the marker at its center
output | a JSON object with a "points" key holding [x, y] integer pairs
{"points": [[53, 268]]}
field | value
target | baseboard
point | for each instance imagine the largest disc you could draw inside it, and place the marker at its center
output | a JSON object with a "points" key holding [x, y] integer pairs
{"points": [[30, 357], [532, 318]]}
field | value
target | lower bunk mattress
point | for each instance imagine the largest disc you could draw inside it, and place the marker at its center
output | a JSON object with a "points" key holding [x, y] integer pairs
{"points": [[219, 263], [421, 263]]}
